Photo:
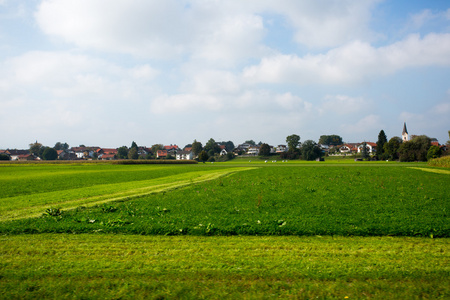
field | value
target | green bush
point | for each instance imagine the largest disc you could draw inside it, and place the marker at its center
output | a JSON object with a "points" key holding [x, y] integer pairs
{"points": [[440, 162]]}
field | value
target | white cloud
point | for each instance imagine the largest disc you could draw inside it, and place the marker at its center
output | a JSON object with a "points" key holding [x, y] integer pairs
{"points": [[352, 63], [427, 17], [327, 23], [344, 105], [366, 124], [223, 32], [184, 103], [154, 29]]}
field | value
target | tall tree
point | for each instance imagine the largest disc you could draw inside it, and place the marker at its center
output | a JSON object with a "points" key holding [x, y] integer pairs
{"points": [[49, 154], [203, 156], [310, 150], [330, 140], [264, 150], [293, 141], [157, 147], [61, 146], [391, 148], [382, 139], [364, 151], [434, 152], [416, 149], [122, 152], [196, 147], [134, 145], [212, 147], [133, 153], [229, 146], [36, 148]]}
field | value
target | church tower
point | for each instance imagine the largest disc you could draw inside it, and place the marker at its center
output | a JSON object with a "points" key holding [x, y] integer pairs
{"points": [[405, 136]]}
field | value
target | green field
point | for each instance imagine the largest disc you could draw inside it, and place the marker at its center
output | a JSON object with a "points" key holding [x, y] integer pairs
{"points": [[245, 229]]}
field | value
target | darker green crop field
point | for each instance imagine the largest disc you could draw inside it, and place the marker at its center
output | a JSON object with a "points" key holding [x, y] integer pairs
{"points": [[275, 200]]}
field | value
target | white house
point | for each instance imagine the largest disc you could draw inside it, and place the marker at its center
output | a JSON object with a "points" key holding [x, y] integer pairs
{"points": [[253, 150], [184, 155], [371, 147], [281, 148], [223, 152]]}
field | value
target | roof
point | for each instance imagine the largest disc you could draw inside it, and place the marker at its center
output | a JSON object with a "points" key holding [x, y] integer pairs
{"points": [[18, 152], [171, 147], [162, 153], [370, 143], [183, 152], [108, 150], [404, 128]]}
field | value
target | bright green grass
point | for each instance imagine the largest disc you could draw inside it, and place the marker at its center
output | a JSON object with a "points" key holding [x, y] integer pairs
{"points": [[276, 200], [141, 267], [68, 196]]}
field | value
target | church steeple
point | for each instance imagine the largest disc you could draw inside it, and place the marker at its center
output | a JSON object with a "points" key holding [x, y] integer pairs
{"points": [[405, 136]]}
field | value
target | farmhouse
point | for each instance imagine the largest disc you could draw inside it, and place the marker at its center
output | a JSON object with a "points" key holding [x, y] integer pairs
{"points": [[161, 154], [253, 150], [107, 156], [349, 148], [371, 147], [14, 154], [281, 148], [183, 155]]}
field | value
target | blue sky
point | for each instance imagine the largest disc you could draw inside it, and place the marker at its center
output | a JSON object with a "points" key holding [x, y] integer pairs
{"points": [[106, 73]]}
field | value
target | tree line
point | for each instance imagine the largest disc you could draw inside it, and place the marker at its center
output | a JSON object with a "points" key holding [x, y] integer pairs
{"points": [[419, 148]]}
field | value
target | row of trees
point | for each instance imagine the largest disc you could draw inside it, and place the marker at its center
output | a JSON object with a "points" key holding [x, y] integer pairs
{"points": [[419, 148]]}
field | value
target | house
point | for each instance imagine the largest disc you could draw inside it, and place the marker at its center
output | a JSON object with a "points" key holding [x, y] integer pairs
{"points": [[349, 148], [107, 156], [143, 151], [84, 152], [183, 155], [223, 152], [371, 147], [281, 148], [106, 151], [161, 154], [253, 150], [24, 157], [172, 149], [14, 154]]}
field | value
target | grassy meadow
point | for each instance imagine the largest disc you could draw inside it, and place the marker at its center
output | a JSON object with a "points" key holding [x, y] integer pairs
{"points": [[241, 229]]}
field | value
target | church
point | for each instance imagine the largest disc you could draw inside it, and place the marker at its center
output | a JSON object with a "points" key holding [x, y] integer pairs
{"points": [[405, 135]]}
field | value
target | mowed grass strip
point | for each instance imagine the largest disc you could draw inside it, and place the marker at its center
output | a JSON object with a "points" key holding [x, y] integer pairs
{"points": [[26, 206], [52, 266]]}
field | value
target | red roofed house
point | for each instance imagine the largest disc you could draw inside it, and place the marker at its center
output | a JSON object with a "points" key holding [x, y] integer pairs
{"points": [[349, 148], [161, 154], [371, 147]]}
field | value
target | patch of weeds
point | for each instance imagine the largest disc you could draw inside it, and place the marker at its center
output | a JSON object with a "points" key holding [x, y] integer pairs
{"points": [[109, 209], [53, 212]]}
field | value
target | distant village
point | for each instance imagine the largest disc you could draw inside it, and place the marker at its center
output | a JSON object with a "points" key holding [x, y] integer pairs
{"points": [[218, 150]]}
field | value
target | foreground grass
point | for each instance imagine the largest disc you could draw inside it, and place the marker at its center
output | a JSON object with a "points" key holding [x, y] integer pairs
{"points": [[156, 267]]}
